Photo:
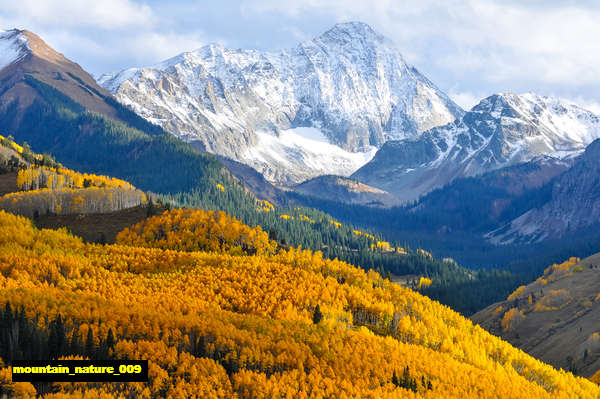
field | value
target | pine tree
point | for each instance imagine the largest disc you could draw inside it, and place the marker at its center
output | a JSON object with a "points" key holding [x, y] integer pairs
{"points": [[90, 346], [317, 315]]}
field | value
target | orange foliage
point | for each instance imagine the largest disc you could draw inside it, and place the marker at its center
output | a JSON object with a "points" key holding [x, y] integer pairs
{"points": [[197, 230], [511, 318], [221, 326], [37, 177]]}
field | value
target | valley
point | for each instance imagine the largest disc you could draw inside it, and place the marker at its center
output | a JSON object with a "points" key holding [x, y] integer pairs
{"points": [[251, 220]]}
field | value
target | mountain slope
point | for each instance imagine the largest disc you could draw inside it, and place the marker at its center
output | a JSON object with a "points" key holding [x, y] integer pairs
{"points": [[501, 130], [29, 55], [340, 189], [555, 317], [350, 83], [216, 324], [574, 205], [489, 200], [50, 102]]}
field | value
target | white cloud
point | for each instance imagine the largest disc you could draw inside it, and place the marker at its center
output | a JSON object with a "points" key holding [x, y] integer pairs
{"points": [[466, 100], [500, 42], [104, 14], [586, 103]]}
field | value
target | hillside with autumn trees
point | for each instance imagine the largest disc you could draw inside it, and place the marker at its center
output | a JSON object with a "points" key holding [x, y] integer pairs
{"points": [[44, 186], [554, 318], [96, 207], [215, 320]]}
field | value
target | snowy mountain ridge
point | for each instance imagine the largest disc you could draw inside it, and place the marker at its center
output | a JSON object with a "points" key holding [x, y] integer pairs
{"points": [[13, 47], [502, 130], [350, 82]]}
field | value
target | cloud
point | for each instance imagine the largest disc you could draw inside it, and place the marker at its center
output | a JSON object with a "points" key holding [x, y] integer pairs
{"points": [[586, 103], [105, 14], [466, 100], [504, 45]]}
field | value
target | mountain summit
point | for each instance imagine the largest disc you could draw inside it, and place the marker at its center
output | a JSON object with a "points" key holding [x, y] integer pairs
{"points": [[350, 85], [23, 56], [502, 130]]}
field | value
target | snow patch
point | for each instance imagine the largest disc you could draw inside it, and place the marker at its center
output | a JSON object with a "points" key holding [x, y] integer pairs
{"points": [[303, 153], [12, 47]]}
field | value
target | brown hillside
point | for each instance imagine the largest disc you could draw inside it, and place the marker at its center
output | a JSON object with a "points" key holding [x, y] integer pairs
{"points": [[555, 318], [98, 227], [47, 65]]}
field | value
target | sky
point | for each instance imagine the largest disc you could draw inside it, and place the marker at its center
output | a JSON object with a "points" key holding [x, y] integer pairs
{"points": [[469, 48]]}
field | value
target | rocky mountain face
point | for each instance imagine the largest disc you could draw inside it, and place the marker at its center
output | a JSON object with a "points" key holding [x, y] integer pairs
{"points": [[490, 200], [350, 83], [574, 205], [553, 318], [502, 130]]}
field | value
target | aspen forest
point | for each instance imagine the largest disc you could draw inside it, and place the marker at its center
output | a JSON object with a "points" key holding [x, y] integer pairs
{"points": [[44, 190], [215, 320]]}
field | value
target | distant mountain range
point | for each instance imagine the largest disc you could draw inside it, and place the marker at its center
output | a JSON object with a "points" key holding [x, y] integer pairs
{"points": [[302, 116], [350, 84], [502, 130], [574, 204]]}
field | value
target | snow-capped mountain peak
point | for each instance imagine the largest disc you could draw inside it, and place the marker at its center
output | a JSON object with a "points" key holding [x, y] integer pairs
{"points": [[13, 47], [502, 130], [350, 82]]}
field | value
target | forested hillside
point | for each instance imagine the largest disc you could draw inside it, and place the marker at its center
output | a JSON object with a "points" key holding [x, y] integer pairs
{"points": [[44, 187], [554, 318], [51, 103], [466, 291], [213, 324]]}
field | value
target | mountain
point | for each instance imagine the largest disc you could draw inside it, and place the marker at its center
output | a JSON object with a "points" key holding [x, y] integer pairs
{"points": [[554, 318], [341, 189], [574, 205], [58, 108], [502, 130], [350, 85], [254, 182], [489, 200], [44, 113], [25, 55]]}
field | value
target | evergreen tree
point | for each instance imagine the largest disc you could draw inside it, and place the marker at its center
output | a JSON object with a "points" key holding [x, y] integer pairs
{"points": [[90, 345], [317, 315]]}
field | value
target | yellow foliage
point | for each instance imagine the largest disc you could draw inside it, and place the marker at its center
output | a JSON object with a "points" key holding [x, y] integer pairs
{"points": [[511, 318], [567, 268], [553, 300], [217, 325], [197, 230], [422, 252], [517, 293], [265, 206], [220, 187], [38, 177], [336, 224], [14, 145], [69, 200], [424, 282], [596, 378]]}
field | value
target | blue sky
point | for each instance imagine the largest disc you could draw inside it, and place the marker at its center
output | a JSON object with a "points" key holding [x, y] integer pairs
{"points": [[470, 49]]}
